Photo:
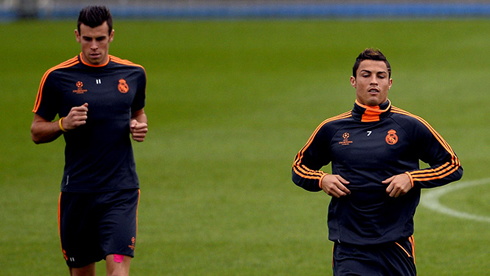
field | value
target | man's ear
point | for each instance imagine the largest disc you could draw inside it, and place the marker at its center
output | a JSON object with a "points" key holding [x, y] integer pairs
{"points": [[77, 35], [111, 36], [353, 81]]}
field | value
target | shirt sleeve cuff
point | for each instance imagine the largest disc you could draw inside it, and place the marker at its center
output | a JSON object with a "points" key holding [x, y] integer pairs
{"points": [[410, 176], [321, 179]]}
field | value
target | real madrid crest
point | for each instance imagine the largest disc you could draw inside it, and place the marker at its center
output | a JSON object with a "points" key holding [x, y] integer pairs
{"points": [[123, 86], [391, 138]]}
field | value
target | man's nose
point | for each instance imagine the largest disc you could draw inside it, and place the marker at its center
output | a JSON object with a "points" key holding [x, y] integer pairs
{"points": [[374, 80]]}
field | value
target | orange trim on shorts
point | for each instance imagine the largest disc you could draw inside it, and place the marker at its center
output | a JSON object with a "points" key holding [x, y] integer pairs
{"points": [[406, 252], [59, 226], [137, 207], [412, 242]]}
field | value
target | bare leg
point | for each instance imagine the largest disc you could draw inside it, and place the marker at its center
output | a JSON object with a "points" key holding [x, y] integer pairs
{"points": [[88, 270], [116, 266]]}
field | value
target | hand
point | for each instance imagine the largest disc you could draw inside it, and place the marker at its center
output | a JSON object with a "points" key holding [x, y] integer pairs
{"points": [[398, 185], [334, 185], [76, 117], [138, 130]]}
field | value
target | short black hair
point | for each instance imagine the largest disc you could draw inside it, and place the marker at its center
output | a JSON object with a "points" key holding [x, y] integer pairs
{"points": [[370, 54], [94, 16]]}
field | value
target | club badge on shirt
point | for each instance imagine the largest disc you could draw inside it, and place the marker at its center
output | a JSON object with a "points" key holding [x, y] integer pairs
{"points": [[391, 138], [123, 86]]}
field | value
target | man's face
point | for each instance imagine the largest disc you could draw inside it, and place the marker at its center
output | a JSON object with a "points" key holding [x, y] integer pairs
{"points": [[372, 82], [95, 43]]}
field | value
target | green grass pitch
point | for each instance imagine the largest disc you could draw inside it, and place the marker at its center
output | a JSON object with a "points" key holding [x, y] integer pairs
{"points": [[229, 104]]}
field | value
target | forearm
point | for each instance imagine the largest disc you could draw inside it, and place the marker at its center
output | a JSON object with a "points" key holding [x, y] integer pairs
{"points": [[45, 131], [306, 171], [306, 178], [437, 175], [140, 116]]}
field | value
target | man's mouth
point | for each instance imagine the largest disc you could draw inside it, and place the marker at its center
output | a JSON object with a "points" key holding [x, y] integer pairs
{"points": [[373, 90]]}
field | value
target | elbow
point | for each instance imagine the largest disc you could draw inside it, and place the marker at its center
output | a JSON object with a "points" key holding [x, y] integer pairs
{"points": [[459, 173], [307, 184], [296, 178], [35, 138], [43, 131]]}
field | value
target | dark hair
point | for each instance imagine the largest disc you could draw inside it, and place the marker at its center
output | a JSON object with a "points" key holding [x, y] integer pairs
{"points": [[370, 54], [94, 16]]}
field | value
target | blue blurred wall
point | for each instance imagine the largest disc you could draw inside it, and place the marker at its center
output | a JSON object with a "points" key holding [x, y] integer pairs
{"points": [[202, 9]]}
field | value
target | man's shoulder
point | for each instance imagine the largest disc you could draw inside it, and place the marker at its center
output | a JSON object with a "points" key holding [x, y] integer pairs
{"points": [[340, 118], [124, 62], [408, 119], [335, 122], [65, 64], [405, 115]]}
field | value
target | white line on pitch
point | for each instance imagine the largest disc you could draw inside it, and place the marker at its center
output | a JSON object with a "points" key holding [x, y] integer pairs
{"points": [[430, 199]]}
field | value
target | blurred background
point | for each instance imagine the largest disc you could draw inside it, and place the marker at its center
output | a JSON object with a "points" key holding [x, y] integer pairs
{"points": [[55, 9]]}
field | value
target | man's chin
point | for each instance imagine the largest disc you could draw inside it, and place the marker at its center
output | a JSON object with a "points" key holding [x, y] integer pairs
{"points": [[94, 61]]}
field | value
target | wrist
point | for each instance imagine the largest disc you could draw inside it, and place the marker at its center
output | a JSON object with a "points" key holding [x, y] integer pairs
{"points": [[321, 179], [411, 179], [60, 123]]}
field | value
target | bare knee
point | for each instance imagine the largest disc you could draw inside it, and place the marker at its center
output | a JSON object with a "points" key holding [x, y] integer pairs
{"points": [[118, 265], [88, 270]]}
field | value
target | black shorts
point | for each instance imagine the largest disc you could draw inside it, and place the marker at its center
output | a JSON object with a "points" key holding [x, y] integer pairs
{"points": [[94, 225], [395, 258]]}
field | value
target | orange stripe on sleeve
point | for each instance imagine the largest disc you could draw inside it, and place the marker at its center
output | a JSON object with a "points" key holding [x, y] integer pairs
{"points": [[124, 61], [441, 171], [69, 63], [301, 169]]}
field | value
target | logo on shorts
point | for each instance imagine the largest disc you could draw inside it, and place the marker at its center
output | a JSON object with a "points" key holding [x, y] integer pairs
{"points": [[80, 89], [391, 138], [123, 86], [70, 259], [133, 242], [346, 141]]}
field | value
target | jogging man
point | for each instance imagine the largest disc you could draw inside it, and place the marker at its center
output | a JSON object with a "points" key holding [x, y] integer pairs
{"points": [[376, 181], [99, 99]]}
